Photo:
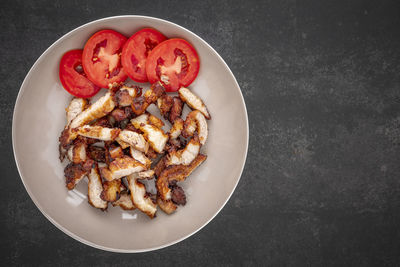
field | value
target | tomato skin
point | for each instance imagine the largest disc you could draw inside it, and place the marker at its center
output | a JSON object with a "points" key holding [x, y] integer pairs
{"points": [[101, 58], [136, 50], [174, 62], [74, 82]]}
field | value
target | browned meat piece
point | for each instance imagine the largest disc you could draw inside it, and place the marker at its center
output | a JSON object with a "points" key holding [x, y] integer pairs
{"points": [[103, 122], [119, 114], [176, 173], [176, 128], [115, 151], [111, 190], [164, 104], [140, 197], [151, 153], [160, 166], [124, 201], [166, 206], [195, 120], [96, 153], [95, 187], [125, 95], [77, 152], [194, 101], [178, 195], [141, 103], [186, 155], [121, 167], [76, 172], [176, 110]]}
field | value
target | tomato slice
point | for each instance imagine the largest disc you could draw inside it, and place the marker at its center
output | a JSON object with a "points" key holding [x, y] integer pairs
{"points": [[73, 78], [101, 58], [173, 62], [136, 50]]}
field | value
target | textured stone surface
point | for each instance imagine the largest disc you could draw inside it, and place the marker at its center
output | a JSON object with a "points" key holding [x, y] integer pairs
{"points": [[321, 82]]}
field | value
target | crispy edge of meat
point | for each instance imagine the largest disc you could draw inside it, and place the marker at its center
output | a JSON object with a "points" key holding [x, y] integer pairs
{"points": [[195, 120], [111, 190], [124, 201], [74, 173], [95, 188], [141, 103], [160, 166], [176, 128], [164, 104], [98, 132], [166, 206], [77, 152], [140, 198], [194, 101], [176, 173], [115, 151], [176, 109], [186, 155], [96, 153], [143, 175], [147, 118], [121, 167]]}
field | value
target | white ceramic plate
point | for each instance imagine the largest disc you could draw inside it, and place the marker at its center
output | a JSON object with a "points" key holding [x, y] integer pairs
{"points": [[39, 117]]}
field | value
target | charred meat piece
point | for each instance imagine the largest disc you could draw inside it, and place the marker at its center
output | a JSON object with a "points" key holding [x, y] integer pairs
{"points": [[164, 104], [176, 173], [74, 173], [178, 195], [176, 110], [96, 153], [95, 188], [147, 118], [111, 190], [119, 114], [141, 103], [160, 166], [125, 95]]}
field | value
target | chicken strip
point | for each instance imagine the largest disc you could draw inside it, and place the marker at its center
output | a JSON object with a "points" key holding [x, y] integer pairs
{"points": [[195, 121], [164, 104], [124, 201], [176, 173], [98, 109], [98, 132], [75, 107], [140, 197], [95, 188], [186, 155], [194, 101], [176, 128], [143, 175], [74, 173], [111, 190], [115, 151], [77, 153], [121, 167], [140, 156], [166, 206], [154, 135], [135, 140]]}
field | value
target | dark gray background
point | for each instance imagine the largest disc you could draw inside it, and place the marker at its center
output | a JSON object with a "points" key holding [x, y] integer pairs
{"points": [[321, 82]]}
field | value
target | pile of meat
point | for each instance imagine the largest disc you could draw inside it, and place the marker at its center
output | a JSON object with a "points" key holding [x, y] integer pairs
{"points": [[116, 143]]}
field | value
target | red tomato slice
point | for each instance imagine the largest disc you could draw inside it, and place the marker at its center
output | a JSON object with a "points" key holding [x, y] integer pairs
{"points": [[73, 78], [101, 58], [136, 50], [173, 62]]}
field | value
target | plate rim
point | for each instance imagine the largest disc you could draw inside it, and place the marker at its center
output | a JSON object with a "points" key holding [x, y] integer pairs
{"points": [[57, 224]]}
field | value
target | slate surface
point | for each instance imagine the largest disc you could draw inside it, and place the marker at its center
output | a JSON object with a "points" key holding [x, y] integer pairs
{"points": [[322, 87]]}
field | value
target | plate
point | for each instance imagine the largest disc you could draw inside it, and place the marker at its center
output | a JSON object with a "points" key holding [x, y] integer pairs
{"points": [[39, 117]]}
